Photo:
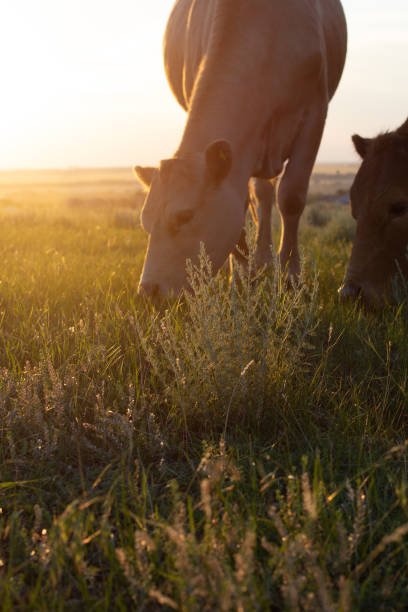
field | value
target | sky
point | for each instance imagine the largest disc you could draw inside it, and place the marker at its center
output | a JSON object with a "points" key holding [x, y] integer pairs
{"points": [[82, 82]]}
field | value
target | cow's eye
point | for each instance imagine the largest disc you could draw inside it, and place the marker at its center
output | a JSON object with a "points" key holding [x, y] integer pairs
{"points": [[179, 219], [398, 209], [183, 217]]}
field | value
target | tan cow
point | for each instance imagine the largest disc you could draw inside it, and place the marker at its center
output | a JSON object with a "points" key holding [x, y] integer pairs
{"points": [[379, 203], [255, 77]]}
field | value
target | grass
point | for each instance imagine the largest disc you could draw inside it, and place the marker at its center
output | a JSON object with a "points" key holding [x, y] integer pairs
{"points": [[241, 450]]}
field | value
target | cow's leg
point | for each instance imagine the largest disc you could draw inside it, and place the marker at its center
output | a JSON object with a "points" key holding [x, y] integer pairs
{"points": [[293, 188], [240, 251], [263, 194]]}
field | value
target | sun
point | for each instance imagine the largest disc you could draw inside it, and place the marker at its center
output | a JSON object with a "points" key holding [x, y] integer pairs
{"points": [[81, 82]]}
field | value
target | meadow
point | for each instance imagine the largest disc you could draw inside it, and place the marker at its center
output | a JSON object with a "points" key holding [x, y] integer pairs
{"points": [[243, 449]]}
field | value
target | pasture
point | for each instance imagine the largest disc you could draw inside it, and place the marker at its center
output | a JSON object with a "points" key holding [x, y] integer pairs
{"points": [[242, 450]]}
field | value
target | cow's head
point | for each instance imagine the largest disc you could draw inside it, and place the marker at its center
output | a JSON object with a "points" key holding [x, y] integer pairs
{"points": [[190, 200], [379, 203]]}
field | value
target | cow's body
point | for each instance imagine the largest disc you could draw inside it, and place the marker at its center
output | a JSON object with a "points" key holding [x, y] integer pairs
{"points": [[256, 75]]}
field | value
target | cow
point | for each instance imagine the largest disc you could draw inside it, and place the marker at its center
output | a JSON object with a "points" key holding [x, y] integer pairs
{"points": [[379, 204], [255, 77]]}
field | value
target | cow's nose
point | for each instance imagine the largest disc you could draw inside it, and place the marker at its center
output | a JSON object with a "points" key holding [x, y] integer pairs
{"points": [[149, 289], [349, 291]]}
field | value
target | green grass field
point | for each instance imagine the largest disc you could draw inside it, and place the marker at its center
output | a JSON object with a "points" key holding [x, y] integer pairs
{"points": [[242, 450]]}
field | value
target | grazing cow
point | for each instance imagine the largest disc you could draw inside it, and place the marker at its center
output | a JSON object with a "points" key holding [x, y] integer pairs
{"points": [[255, 77], [379, 203]]}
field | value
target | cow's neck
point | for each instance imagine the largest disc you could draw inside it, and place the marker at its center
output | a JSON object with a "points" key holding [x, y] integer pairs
{"points": [[250, 128], [225, 115]]}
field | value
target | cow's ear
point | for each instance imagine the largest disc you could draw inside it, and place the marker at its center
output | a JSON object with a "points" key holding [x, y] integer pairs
{"points": [[218, 159], [361, 144], [145, 174]]}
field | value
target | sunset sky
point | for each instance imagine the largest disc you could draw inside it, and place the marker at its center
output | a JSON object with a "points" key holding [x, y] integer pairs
{"points": [[83, 83]]}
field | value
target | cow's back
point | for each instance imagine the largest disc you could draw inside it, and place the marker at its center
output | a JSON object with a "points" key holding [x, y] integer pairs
{"points": [[335, 34], [173, 48], [190, 33], [186, 42]]}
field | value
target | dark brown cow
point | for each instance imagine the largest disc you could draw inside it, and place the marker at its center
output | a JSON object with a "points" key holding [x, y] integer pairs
{"points": [[379, 203]]}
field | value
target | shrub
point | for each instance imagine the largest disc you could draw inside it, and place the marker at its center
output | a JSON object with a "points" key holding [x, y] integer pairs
{"points": [[341, 228], [238, 346], [317, 215]]}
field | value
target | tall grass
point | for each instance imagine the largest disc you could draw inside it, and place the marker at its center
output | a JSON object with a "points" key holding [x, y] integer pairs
{"points": [[242, 450]]}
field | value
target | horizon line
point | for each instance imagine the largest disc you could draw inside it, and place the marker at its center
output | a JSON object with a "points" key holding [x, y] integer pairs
{"points": [[75, 168]]}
